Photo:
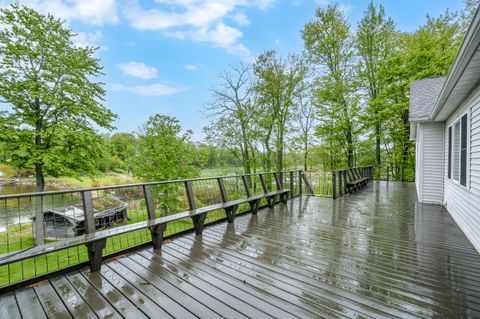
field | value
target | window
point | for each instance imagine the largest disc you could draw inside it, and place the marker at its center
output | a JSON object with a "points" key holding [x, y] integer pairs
{"points": [[457, 151]]}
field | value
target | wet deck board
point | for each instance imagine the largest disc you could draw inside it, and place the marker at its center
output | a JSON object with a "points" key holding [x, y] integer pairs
{"points": [[374, 254]]}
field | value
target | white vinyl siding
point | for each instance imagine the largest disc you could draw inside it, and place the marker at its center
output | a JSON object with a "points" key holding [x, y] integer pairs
{"points": [[475, 150], [463, 203], [431, 174]]}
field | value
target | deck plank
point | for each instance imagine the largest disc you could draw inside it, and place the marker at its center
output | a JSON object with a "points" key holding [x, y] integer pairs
{"points": [[269, 303], [71, 298], [29, 304], [286, 294], [51, 302], [170, 306], [9, 307], [155, 275], [134, 293], [227, 304], [380, 283], [122, 304], [92, 297]]}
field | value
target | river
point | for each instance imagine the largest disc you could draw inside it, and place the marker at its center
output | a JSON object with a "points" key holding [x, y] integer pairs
{"points": [[21, 210], [16, 189]]}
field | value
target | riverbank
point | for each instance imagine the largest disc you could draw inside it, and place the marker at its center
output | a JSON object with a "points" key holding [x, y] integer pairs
{"points": [[108, 179]]}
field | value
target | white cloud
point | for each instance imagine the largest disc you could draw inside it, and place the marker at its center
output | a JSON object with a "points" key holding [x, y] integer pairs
{"points": [[156, 89], [84, 39], [198, 20], [138, 70], [192, 67], [97, 12], [240, 19]]}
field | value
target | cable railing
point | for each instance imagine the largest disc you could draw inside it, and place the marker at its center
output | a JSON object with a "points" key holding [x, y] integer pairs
{"points": [[34, 220]]}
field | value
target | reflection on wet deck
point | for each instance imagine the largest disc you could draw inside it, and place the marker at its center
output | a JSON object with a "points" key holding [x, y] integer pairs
{"points": [[375, 253]]}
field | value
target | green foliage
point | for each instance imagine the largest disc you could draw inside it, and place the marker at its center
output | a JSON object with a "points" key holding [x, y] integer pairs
{"points": [[53, 103], [375, 42], [163, 151], [279, 84], [329, 44]]}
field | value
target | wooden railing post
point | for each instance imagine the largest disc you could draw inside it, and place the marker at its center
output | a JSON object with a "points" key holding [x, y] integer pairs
{"points": [[39, 221], [278, 182], [157, 232], [230, 211], [300, 189], [270, 199], [264, 184], [95, 248], [198, 220], [190, 198], [147, 194], [334, 184], [89, 219], [223, 191], [340, 183], [292, 188], [246, 185]]}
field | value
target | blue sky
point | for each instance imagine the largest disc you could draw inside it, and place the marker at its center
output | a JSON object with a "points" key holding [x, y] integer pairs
{"points": [[163, 56]]}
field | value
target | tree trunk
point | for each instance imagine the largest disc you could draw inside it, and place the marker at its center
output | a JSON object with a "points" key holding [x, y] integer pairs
{"points": [[377, 146], [305, 155], [40, 186], [349, 148], [246, 155]]}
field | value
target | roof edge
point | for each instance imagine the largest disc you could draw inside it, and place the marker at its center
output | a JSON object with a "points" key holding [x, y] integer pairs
{"points": [[467, 49]]}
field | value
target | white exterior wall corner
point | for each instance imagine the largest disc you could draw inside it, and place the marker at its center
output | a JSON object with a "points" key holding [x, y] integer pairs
{"points": [[430, 162], [463, 203]]}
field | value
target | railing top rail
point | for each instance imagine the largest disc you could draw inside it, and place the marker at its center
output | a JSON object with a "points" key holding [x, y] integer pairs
{"points": [[80, 190]]}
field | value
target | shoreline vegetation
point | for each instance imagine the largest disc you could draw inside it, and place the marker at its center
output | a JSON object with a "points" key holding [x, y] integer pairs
{"points": [[63, 182], [105, 179]]}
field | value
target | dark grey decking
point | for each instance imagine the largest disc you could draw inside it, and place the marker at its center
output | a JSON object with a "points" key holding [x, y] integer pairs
{"points": [[376, 253]]}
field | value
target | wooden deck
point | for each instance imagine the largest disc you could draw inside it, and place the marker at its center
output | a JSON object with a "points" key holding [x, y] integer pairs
{"points": [[375, 253]]}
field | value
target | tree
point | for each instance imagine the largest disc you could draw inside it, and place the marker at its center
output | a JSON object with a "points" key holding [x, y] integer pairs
{"points": [[232, 108], [428, 52], [329, 44], [123, 148], [164, 152], [47, 83], [375, 43], [280, 82], [305, 117]]}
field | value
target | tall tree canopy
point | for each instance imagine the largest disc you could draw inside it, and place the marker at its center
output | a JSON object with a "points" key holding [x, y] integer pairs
{"points": [[53, 99], [375, 41], [329, 44]]}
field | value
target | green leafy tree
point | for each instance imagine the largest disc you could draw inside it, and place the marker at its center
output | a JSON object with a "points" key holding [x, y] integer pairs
{"points": [[279, 84], [53, 102], [425, 53], [163, 151], [123, 147], [329, 44], [375, 42]]}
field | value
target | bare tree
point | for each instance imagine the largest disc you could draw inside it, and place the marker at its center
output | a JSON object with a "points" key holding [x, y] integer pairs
{"points": [[232, 104]]}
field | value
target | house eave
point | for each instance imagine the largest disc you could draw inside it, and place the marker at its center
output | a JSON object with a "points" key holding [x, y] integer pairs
{"points": [[468, 49]]}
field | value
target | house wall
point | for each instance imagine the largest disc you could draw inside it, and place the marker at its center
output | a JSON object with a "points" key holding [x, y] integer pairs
{"points": [[429, 170], [463, 203]]}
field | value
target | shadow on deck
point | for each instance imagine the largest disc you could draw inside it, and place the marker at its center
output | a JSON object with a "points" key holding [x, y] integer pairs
{"points": [[375, 253]]}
